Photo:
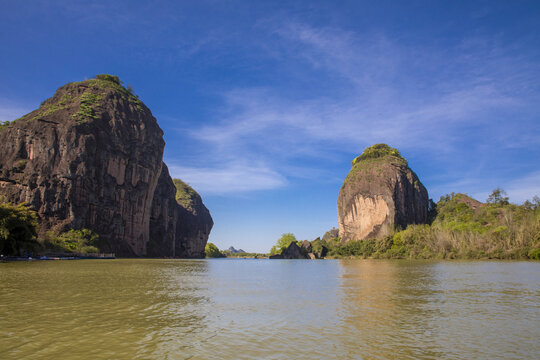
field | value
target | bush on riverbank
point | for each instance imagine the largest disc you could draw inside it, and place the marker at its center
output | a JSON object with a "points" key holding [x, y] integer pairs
{"points": [[73, 241], [18, 235], [18, 229], [462, 229], [212, 251], [282, 243]]}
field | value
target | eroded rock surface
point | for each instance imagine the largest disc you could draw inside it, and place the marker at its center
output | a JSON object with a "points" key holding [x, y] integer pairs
{"points": [[92, 157], [380, 193]]}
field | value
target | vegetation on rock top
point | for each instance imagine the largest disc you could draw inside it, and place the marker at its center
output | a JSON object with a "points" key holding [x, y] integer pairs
{"points": [[4, 124], [379, 151], [89, 100], [185, 194], [373, 163]]}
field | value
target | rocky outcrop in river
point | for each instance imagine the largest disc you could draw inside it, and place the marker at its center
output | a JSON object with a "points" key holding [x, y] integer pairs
{"points": [[92, 157], [379, 193]]}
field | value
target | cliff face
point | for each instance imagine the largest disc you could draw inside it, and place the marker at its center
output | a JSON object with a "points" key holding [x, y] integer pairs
{"points": [[379, 193], [193, 232], [91, 157]]}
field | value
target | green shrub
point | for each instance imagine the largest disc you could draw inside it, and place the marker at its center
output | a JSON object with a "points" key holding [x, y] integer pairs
{"points": [[113, 78], [212, 251], [186, 195], [18, 229], [282, 243], [73, 241], [4, 125], [378, 151], [534, 254]]}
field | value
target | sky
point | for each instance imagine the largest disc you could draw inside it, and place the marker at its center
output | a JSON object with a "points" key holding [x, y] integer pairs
{"points": [[265, 103]]}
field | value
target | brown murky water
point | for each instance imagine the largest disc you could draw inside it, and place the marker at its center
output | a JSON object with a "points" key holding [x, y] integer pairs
{"points": [[269, 309]]}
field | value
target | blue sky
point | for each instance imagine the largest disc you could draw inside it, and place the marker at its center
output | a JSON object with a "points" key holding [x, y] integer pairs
{"points": [[264, 104]]}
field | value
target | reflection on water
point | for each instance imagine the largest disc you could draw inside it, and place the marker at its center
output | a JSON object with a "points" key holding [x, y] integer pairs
{"points": [[205, 309], [384, 309]]}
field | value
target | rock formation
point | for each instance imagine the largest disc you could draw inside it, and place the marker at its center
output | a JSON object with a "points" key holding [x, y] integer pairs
{"points": [[293, 251], [193, 232], [380, 193], [92, 157]]}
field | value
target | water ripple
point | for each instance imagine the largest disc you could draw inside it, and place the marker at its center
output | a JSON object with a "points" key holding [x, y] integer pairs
{"points": [[238, 309]]}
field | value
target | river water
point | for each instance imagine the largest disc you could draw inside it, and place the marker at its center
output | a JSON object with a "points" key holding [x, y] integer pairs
{"points": [[269, 309]]}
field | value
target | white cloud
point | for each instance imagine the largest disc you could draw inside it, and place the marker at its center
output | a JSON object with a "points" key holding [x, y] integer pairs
{"points": [[409, 97], [520, 189], [380, 105], [229, 178]]}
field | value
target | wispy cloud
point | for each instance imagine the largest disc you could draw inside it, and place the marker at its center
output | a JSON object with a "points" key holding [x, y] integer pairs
{"points": [[231, 178], [518, 190], [381, 91]]}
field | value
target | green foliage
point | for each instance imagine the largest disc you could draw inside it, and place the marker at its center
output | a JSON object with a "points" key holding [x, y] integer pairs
{"points": [[317, 245], [49, 107], [4, 125], [186, 195], [378, 151], [282, 243], [212, 251], [18, 229], [463, 228], [498, 197], [82, 241], [534, 254], [87, 109], [361, 248], [105, 81], [113, 78]]}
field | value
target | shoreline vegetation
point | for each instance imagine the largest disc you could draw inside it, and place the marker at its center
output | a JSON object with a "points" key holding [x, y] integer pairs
{"points": [[19, 238], [459, 227]]}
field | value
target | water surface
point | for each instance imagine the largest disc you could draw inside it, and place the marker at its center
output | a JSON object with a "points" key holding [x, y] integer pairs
{"points": [[269, 309]]}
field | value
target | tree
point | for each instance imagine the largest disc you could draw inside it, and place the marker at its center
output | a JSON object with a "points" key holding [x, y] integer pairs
{"points": [[282, 243], [536, 202], [498, 197], [18, 229], [212, 251]]}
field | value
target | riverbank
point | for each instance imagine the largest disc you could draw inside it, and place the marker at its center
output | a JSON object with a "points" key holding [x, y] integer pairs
{"points": [[57, 257]]}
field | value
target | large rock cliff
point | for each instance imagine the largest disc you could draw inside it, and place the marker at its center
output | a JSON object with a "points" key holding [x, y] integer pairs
{"points": [[92, 157], [380, 193]]}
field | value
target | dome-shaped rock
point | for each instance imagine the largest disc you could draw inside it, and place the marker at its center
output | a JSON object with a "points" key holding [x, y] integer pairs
{"points": [[380, 193]]}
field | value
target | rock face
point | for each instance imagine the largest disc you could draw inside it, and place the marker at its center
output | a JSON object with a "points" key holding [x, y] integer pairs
{"points": [[293, 251], [379, 193], [306, 246], [92, 157], [193, 232]]}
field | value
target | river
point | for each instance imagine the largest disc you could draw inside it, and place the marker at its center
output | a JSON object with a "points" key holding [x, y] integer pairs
{"points": [[269, 309]]}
